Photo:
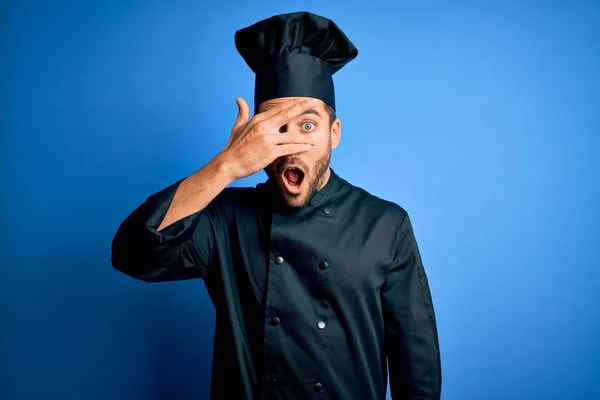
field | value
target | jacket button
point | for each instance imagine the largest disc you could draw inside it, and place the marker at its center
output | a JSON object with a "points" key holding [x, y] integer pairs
{"points": [[275, 321], [321, 325], [279, 260], [326, 211], [323, 265], [318, 387]]}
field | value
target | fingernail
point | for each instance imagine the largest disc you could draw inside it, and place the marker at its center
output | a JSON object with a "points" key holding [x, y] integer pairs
{"points": [[312, 102]]}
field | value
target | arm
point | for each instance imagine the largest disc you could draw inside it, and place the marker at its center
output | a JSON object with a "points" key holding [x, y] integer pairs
{"points": [[170, 236], [411, 333]]}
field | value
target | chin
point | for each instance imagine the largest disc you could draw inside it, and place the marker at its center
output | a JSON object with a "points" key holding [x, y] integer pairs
{"points": [[296, 202], [296, 196]]}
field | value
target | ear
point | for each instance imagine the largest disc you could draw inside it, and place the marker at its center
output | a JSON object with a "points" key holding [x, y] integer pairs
{"points": [[336, 133]]}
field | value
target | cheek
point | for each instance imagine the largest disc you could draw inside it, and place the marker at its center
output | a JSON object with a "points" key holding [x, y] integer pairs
{"points": [[321, 138], [323, 142], [270, 169], [316, 154]]}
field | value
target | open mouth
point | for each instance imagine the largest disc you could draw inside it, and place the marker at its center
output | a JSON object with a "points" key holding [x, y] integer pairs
{"points": [[292, 178]]}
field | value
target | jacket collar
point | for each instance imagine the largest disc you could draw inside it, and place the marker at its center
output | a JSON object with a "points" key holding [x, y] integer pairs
{"points": [[327, 192]]}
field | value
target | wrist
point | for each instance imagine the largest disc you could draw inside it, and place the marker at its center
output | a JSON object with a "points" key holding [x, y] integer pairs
{"points": [[223, 166]]}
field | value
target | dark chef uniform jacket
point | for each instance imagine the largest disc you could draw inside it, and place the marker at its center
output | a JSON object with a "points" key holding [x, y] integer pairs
{"points": [[310, 303]]}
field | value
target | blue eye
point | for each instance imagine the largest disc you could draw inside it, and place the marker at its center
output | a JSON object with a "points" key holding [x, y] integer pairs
{"points": [[308, 126]]}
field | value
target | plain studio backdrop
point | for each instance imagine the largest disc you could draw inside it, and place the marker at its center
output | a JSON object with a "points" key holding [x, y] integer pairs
{"points": [[482, 119]]}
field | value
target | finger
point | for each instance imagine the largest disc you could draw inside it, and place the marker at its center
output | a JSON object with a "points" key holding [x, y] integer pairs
{"points": [[243, 112], [291, 112], [287, 149], [277, 108], [288, 138]]}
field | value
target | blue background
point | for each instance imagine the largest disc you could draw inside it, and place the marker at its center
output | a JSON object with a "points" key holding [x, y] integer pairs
{"points": [[480, 118]]}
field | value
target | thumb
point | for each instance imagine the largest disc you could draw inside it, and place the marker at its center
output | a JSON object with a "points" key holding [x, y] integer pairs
{"points": [[243, 112]]}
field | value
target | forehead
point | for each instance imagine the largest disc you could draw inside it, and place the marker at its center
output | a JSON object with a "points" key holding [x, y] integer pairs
{"points": [[283, 100]]}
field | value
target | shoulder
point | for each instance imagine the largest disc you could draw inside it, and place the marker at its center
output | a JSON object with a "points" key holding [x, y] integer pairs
{"points": [[384, 218], [375, 205], [238, 198]]}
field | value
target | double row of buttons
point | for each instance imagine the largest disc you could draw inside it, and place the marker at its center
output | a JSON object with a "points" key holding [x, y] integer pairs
{"points": [[317, 387]]}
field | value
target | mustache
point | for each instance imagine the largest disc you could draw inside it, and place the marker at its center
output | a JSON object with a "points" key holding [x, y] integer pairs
{"points": [[283, 163]]}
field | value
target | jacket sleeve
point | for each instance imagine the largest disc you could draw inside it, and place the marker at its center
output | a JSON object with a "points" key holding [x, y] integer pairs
{"points": [[180, 251], [411, 336]]}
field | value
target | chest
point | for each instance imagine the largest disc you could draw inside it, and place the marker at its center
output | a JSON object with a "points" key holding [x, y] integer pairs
{"points": [[324, 252]]}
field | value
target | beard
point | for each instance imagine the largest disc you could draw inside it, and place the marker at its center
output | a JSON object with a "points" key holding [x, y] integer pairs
{"points": [[313, 177]]}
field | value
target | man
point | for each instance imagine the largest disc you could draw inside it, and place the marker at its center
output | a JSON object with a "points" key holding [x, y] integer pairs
{"points": [[317, 284]]}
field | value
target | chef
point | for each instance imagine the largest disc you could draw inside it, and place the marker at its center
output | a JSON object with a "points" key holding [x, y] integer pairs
{"points": [[318, 286]]}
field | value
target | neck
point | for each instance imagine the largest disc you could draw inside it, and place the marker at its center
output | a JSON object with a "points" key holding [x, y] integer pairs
{"points": [[325, 178]]}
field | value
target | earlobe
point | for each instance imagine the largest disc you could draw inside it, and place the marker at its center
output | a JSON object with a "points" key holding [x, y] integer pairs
{"points": [[336, 133]]}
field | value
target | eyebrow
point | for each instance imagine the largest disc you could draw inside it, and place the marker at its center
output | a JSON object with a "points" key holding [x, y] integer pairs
{"points": [[312, 111]]}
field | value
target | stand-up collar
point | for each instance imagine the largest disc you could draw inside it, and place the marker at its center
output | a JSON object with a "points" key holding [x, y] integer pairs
{"points": [[333, 185]]}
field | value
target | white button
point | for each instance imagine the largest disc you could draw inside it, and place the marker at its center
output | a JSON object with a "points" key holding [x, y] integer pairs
{"points": [[321, 325]]}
